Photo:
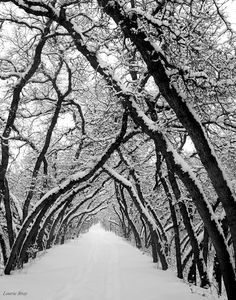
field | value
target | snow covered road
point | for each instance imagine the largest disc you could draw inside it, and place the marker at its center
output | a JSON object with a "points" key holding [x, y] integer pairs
{"points": [[97, 266]]}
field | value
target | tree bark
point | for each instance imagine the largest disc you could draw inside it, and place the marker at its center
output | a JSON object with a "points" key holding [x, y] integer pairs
{"points": [[156, 64], [188, 226], [50, 198], [173, 216], [3, 249], [192, 273], [217, 275], [143, 212], [49, 219], [41, 156], [174, 163], [123, 205], [31, 236], [52, 235], [7, 205], [15, 104]]}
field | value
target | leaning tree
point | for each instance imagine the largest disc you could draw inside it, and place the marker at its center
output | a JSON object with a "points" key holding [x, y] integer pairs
{"points": [[135, 82]]}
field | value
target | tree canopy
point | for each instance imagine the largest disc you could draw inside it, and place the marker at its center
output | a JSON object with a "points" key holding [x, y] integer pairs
{"points": [[123, 112]]}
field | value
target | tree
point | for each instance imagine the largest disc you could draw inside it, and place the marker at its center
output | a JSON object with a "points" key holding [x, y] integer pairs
{"points": [[161, 73]]}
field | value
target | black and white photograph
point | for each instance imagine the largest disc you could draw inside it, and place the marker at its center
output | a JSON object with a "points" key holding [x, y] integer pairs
{"points": [[117, 149]]}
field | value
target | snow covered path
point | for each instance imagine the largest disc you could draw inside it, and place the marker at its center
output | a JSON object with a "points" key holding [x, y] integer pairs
{"points": [[97, 266]]}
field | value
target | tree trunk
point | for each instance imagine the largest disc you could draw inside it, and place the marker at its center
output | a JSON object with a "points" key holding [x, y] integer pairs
{"points": [[31, 235], [7, 205], [123, 205], [147, 204], [173, 217], [66, 202], [174, 163], [143, 212], [40, 237], [188, 226], [205, 246], [217, 275], [155, 62], [195, 246], [154, 243], [192, 273], [3, 249], [52, 235], [41, 156]]}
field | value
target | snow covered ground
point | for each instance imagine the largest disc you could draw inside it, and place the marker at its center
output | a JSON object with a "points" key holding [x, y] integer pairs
{"points": [[97, 266]]}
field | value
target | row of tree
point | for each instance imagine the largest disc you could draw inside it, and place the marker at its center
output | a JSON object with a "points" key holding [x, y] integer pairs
{"points": [[127, 106]]}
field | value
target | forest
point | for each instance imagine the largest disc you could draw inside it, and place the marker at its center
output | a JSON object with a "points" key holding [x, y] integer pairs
{"points": [[122, 111]]}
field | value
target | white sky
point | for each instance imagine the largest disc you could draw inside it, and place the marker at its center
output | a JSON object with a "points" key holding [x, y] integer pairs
{"points": [[232, 12]]}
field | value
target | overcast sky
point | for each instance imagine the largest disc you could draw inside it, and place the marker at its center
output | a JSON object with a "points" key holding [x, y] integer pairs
{"points": [[232, 12]]}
